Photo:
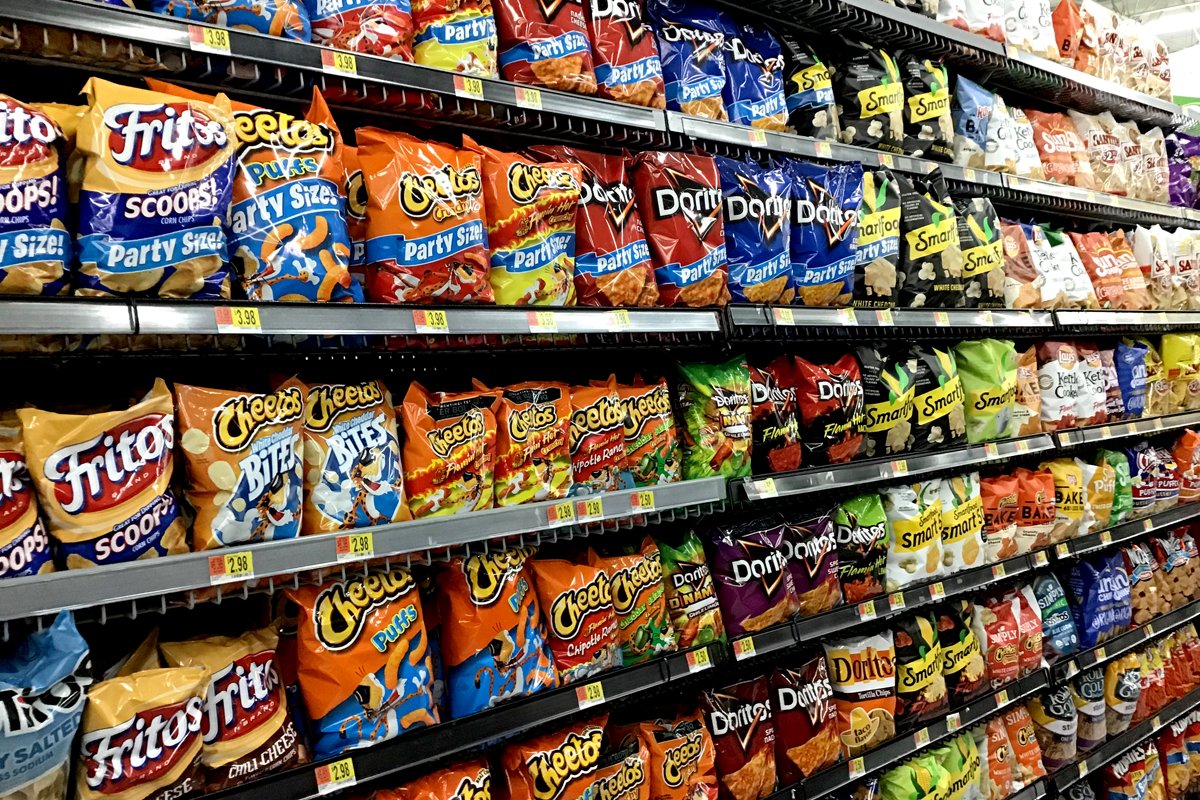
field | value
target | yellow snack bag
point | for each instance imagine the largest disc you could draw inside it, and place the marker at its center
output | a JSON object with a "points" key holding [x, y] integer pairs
{"points": [[458, 36], [24, 542], [1069, 495]]}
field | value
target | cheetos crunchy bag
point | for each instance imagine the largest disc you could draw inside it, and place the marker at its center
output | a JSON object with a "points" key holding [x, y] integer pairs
{"points": [[471, 780], [577, 603], [533, 443], [494, 640], [157, 183], [104, 480], [556, 765], [244, 466], [24, 541], [449, 450], [363, 660]]}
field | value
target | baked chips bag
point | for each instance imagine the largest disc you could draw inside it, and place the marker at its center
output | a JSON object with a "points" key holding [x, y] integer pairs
{"points": [[244, 464], [545, 44], [456, 35], [104, 481], [627, 66], [426, 234], [24, 542], [533, 452]]}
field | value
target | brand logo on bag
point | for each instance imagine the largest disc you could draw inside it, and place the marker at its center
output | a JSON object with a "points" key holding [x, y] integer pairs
{"points": [[743, 721], [624, 11], [699, 205], [237, 420], [569, 609], [241, 697], [15, 496], [527, 181], [468, 427], [151, 741], [769, 211], [575, 757], [537, 417], [625, 781], [162, 138], [812, 696], [763, 563], [341, 610], [653, 405], [606, 413], [25, 133], [448, 192], [825, 210], [325, 403], [477, 788], [24, 712], [282, 130], [680, 762], [487, 574], [112, 466], [705, 43]]}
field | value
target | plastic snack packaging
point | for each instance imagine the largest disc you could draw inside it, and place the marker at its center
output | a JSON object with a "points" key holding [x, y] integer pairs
{"points": [[1029, 629], [963, 664], [693, 58], [577, 606], [682, 758], [808, 88], [1028, 163], [776, 430], [979, 239], [994, 623], [639, 600], [1104, 152], [999, 496], [940, 420], [691, 595], [714, 401], [1063, 154], [530, 764], [533, 443], [652, 452], [878, 256], [962, 522], [1136, 295], [1155, 172], [888, 390], [24, 541], [826, 206], [931, 261], [47, 671], [914, 514], [752, 575], [624, 53], [860, 524], [743, 732], [1055, 723], [928, 126], [1143, 468], [920, 688], [1027, 26], [960, 758], [988, 370], [1069, 499], [862, 674], [1122, 687], [287, 18], [1132, 371], [494, 640], [983, 17], [154, 202], [831, 405], [1023, 738], [1025, 281], [1099, 482], [246, 737], [806, 723], [1000, 146], [449, 450], [1061, 380], [753, 89], [1027, 411], [545, 45], [1114, 404], [1078, 291], [1186, 453], [459, 37], [810, 543], [469, 780], [1036, 509], [1151, 248], [870, 96], [1059, 636], [679, 198], [622, 772], [1125, 776], [1068, 30], [1087, 693], [1172, 747], [757, 230], [122, 512], [996, 752], [426, 235], [970, 111], [376, 27]]}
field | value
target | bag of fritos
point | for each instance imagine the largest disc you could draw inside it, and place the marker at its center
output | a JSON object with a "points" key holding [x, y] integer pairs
{"points": [[24, 541]]}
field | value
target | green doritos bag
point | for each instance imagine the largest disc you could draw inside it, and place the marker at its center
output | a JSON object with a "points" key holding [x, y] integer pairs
{"points": [[714, 401], [1122, 487], [691, 598], [988, 371]]}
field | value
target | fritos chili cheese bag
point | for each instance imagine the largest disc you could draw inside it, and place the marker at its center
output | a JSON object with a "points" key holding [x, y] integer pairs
{"points": [[639, 598], [628, 69], [352, 474], [533, 443], [35, 248], [494, 640], [458, 36], [363, 660], [157, 182], [142, 736], [247, 730], [652, 453], [597, 438], [449, 450], [682, 758], [679, 197], [426, 235], [530, 213], [612, 259], [556, 765], [104, 481], [471, 780], [245, 478], [545, 44], [577, 605], [24, 542], [375, 27], [275, 17]]}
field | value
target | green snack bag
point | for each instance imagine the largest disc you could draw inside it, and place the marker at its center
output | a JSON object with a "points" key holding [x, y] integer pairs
{"points": [[988, 371], [960, 758], [860, 525], [1122, 487], [899, 783], [714, 401], [691, 598]]}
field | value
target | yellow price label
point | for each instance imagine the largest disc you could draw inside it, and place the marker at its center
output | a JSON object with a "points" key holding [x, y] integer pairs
{"points": [[921, 737], [1105, 537], [1022, 446], [969, 175], [900, 467], [643, 501], [1001, 698], [529, 98], [208, 40], [590, 695], [591, 508], [743, 648], [1158, 424], [1040, 559], [766, 487], [824, 150], [465, 86], [430, 321], [953, 722], [866, 611], [1131, 428], [1105, 432], [985, 317], [990, 450], [339, 61], [619, 319], [1083, 769], [698, 660], [561, 514], [355, 546], [1101, 654], [230, 567], [542, 322], [1147, 525], [1062, 549], [758, 137], [886, 160], [783, 316], [896, 601], [846, 316], [336, 776], [997, 570], [238, 319], [941, 319], [884, 317], [1156, 723], [858, 767], [1149, 629], [937, 591]]}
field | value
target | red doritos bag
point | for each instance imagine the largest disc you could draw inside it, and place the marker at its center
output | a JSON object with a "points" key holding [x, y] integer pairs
{"points": [[545, 44], [831, 404], [628, 69], [679, 198]]}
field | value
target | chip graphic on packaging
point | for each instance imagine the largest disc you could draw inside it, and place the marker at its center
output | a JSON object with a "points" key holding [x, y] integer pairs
{"points": [[806, 723], [545, 44], [24, 540], [752, 575], [627, 65], [577, 603]]}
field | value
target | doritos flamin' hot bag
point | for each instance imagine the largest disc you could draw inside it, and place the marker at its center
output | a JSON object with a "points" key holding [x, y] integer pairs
{"points": [[376, 27], [449, 450], [545, 44], [426, 236], [628, 69]]}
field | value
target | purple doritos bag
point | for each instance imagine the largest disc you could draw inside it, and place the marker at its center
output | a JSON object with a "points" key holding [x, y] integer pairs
{"points": [[756, 230], [750, 570], [811, 547], [691, 45]]}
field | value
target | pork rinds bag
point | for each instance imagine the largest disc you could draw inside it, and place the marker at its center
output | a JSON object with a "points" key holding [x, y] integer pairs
{"points": [[545, 45], [24, 541], [449, 451], [426, 235], [639, 600], [104, 481], [244, 465], [374, 27], [460, 37], [577, 603], [533, 443], [154, 203], [862, 673], [287, 18]]}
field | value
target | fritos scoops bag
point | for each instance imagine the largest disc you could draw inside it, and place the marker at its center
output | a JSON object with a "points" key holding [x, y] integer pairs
{"points": [[743, 732], [679, 198], [426, 236], [157, 183], [533, 443], [375, 27], [286, 18], [459, 37], [449, 450], [612, 259], [45, 675], [577, 604], [352, 473], [104, 481], [862, 674], [247, 729], [627, 66], [363, 659], [142, 736], [494, 641], [693, 59], [545, 45], [244, 465], [35, 248], [24, 542], [757, 230], [470, 780]]}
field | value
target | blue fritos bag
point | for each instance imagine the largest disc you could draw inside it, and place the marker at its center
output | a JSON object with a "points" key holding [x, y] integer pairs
{"points": [[826, 202], [754, 77], [691, 42], [756, 230], [1130, 360]]}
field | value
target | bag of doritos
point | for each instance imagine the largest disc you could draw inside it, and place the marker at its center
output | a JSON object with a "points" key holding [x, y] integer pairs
{"points": [[426, 237], [652, 453], [860, 524], [693, 57], [862, 673], [545, 45], [831, 408], [753, 89], [878, 256], [751, 574], [757, 231], [774, 423], [627, 66], [826, 203], [870, 96], [715, 404], [577, 607], [459, 36], [597, 437], [535, 765], [808, 90], [743, 732], [639, 601], [810, 544], [691, 596], [24, 541], [806, 723], [679, 198]]}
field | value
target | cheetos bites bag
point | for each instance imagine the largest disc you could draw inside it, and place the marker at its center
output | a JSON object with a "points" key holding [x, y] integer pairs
{"points": [[556, 765], [471, 780], [352, 475], [363, 660], [104, 480], [24, 540], [577, 604], [157, 182], [494, 641], [245, 477]]}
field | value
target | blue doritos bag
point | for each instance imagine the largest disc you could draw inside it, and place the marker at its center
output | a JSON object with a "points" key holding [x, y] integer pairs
{"points": [[825, 220], [691, 44], [42, 686], [756, 230], [1130, 361], [754, 77]]}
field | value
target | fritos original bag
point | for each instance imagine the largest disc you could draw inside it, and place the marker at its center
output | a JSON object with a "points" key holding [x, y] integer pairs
{"points": [[24, 542], [545, 44], [426, 233], [104, 481], [577, 604], [460, 37], [533, 447], [157, 183], [244, 464]]}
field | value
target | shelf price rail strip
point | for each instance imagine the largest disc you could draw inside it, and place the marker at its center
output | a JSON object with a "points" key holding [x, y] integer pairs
{"points": [[71, 589], [1068, 321], [1114, 748], [436, 744], [1118, 534], [800, 317], [1116, 430]]}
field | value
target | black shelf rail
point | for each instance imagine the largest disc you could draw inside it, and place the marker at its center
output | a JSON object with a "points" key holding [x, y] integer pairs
{"points": [[1126, 531]]}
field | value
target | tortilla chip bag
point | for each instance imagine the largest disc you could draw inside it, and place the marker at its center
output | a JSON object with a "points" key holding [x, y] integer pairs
{"points": [[691, 595], [743, 736], [862, 673], [715, 403], [545, 45]]}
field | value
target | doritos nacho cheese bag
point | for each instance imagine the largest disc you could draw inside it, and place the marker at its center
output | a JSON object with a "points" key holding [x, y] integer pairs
{"points": [[426, 236], [458, 36], [104, 480], [693, 58], [757, 230], [533, 443], [45, 675], [652, 453], [449, 450], [24, 541], [352, 474], [639, 599], [35, 248], [628, 69], [363, 660], [471, 780], [375, 27], [275, 17], [753, 76], [577, 603], [157, 182], [494, 640], [557, 765], [142, 736], [545, 44], [244, 462], [679, 198], [597, 438], [247, 730], [530, 213]]}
